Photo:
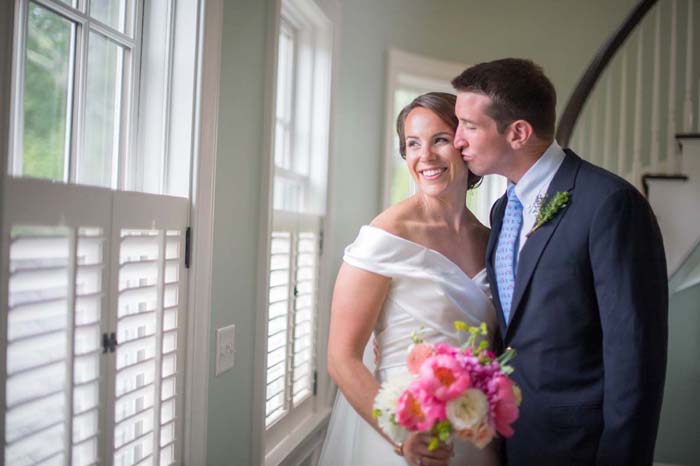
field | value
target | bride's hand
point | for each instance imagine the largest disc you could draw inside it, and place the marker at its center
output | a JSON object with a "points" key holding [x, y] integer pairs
{"points": [[416, 453]]}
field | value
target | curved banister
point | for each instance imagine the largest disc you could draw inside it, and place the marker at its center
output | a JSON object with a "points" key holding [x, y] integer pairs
{"points": [[568, 118]]}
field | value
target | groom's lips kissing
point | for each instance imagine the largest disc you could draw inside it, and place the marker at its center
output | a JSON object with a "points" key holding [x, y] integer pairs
{"points": [[467, 157], [432, 173]]}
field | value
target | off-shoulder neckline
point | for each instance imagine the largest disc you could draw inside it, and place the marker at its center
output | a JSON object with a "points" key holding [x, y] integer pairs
{"points": [[426, 248]]}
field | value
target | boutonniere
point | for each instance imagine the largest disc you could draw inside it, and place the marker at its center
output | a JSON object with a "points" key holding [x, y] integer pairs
{"points": [[549, 209]]}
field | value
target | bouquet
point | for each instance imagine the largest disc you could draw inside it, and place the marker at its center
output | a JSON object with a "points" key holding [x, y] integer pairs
{"points": [[462, 392]]}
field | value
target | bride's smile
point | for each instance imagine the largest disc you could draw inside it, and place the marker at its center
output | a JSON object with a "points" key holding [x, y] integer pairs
{"points": [[432, 173]]}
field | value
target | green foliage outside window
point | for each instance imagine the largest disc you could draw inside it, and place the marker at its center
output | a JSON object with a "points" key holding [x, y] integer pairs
{"points": [[46, 77]]}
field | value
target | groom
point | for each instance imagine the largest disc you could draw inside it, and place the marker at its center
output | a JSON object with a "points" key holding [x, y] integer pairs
{"points": [[581, 288]]}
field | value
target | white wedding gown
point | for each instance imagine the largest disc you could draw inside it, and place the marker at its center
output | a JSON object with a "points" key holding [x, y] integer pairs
{"points": [[427, 290]]}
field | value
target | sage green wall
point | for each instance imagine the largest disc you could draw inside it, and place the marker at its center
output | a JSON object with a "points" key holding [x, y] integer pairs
{"points": [[236, 207], [679, 429], [465, 31]]}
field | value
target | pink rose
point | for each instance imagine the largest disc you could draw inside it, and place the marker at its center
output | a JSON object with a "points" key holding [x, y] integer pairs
{"points": [[418, 355], [445, 348], [418, 410], [444, 378], [506, 410]]}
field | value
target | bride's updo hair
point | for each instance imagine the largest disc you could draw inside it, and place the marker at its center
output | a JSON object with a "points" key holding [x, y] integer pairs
{"points": [[441, 104]]}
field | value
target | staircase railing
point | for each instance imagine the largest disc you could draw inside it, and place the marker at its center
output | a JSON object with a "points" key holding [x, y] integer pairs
{"points": [[583, 89], [640, 90]]}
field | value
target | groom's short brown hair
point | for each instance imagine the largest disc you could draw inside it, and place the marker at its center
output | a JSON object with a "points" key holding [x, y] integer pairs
{"points": [[519, 90]]}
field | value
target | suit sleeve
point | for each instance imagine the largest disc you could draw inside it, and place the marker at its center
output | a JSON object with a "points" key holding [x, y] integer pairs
{"points": [[629, 271]]}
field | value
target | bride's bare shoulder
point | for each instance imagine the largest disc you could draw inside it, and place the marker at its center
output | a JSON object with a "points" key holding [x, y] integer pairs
{"points": [[397, 219]]}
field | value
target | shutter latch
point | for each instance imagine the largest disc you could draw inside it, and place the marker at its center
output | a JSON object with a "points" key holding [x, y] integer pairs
{"points": [[109, 342]]}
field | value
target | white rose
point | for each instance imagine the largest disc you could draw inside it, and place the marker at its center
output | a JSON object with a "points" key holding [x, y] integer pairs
{"points": [[469, 410], [387, 400]]}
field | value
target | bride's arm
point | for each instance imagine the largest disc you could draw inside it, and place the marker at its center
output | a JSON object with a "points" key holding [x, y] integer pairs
{"points": [[357, 301]]}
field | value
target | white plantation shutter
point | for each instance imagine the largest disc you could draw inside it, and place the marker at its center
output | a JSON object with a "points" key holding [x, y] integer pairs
{"points": [[54, 244], [95, 294], [306, 297], [36, 344], [292, 310], [151, 289], [87, 349], [280, 296]]}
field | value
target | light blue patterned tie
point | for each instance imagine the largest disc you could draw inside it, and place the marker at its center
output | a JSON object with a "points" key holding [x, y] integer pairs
{"points": [[507, 250]]}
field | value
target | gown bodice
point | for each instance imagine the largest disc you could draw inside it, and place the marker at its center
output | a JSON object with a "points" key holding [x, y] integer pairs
{"points": [[428, 291]]}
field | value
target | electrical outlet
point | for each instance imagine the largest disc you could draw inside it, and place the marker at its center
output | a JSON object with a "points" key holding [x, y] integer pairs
{"points": [[225, 348]]}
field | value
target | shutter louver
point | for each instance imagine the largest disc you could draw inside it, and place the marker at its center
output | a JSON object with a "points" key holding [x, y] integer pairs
{"points": [[277, 325]]}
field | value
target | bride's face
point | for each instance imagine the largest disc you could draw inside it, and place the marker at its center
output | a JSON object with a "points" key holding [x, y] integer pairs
{"points": [[435, 165]]}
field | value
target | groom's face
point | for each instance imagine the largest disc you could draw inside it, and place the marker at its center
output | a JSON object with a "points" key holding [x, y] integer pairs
{"points": [[483, 148]]}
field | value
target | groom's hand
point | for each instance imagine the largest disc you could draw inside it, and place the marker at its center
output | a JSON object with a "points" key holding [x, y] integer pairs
{"points": [[416, 452]]}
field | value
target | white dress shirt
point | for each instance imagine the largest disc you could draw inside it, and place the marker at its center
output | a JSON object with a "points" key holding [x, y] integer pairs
{"points": [[533, 186]]}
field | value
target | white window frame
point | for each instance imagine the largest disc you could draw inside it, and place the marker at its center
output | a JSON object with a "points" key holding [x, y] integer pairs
{"points": [[423, 74], [281, 444], [208, 70], [7, 15], [206, 37]]}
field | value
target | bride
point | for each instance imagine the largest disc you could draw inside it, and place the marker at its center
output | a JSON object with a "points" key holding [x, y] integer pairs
{"points": [[419, 264]]}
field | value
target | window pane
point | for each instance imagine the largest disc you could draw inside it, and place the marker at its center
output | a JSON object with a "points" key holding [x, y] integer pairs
{"points": [[282, 145], [285, 89], [111, 12], [46, 95], [287, 194], [102, 110], [146, 170]]}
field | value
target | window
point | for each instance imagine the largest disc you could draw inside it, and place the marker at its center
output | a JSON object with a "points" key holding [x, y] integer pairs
{"points": [[95, 289], [75, 79], [298, 178], [95, 99], [408, 77]]}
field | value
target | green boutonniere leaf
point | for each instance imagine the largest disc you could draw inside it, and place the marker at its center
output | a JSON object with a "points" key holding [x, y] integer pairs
{"points": [[548, 210]]}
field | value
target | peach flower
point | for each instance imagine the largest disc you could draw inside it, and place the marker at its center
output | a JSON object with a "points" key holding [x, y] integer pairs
{"points": [[417, 356]]}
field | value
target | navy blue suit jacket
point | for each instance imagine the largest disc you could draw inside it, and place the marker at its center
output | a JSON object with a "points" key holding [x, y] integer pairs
{"points": [[589, 324]]}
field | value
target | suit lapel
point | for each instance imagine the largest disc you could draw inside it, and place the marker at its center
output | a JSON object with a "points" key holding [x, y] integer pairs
{"points": [[532, 250], [497, 222]]}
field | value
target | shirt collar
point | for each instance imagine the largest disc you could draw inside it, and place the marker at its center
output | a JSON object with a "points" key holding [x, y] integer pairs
{"points": [[535, 181]]}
